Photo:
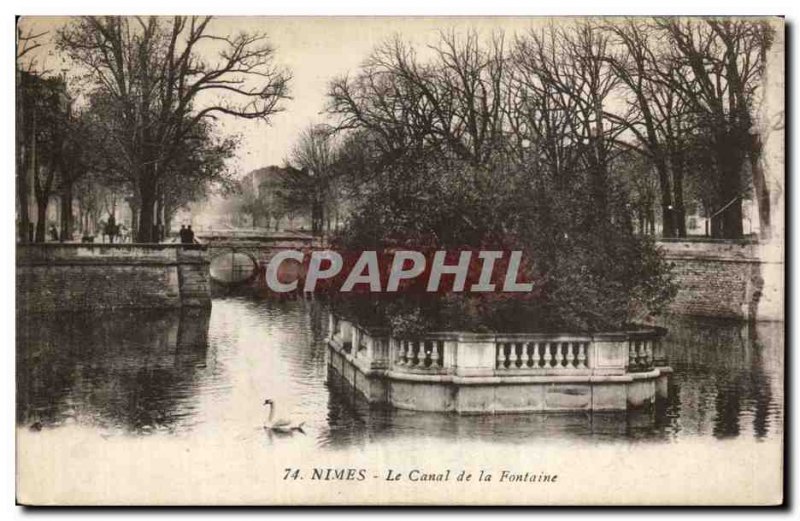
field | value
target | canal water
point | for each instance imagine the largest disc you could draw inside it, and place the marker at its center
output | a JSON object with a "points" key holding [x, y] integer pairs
{"points": [[200, 375]]}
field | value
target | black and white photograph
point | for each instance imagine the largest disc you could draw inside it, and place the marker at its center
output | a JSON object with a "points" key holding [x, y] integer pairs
{"points": [[399, 260]]}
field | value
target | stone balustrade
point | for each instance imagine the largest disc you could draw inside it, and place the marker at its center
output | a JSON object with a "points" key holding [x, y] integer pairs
{"points": [[607, 370], [543, 354], [489, 354], [425, 355]]}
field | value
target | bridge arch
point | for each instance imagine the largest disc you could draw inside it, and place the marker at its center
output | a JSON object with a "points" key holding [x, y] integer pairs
{"points": [[233, 266]]}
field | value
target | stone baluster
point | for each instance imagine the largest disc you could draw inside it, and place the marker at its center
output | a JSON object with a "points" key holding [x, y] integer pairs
{"points": [[648, 353], [436, 356], [559, 355], [425, 349], [581, 359], [640, 356], [512, 356], [401, 352], [416, 349], [632, 354], [535, 358], [428, 349], [548, 357], [501, 356], [570, 355]]}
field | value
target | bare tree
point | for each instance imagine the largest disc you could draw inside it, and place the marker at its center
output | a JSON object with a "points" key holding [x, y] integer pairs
{"points": [[154, 72], [657, 115], [26, 74], [720, 67], [452, 103], [310, 186], [562, 88]]}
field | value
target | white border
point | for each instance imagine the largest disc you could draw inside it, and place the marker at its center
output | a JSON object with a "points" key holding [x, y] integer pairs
{"points": [[321, 7]]}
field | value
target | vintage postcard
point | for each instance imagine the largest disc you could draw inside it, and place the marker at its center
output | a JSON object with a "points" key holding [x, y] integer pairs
{"points": [[399, 260]]}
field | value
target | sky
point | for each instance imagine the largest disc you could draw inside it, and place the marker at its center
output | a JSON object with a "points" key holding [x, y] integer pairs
{"points": [[315, 50]]}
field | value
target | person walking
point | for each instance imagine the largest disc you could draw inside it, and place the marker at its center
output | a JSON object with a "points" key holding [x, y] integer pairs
{"points": [[182, 234]]}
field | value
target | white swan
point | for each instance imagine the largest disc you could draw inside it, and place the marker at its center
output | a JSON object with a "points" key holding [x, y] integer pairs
{"points": [[281, 424]]}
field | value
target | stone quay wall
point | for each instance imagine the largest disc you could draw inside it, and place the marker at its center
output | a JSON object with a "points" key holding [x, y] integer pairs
{"points": [[727, 279], [80, 277]]}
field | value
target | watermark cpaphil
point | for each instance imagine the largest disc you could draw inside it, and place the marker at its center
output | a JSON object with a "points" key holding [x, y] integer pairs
{"points": [[461, 270]]}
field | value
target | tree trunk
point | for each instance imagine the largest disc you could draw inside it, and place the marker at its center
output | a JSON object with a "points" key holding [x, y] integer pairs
{"points": [[667, 222], [147, 193], [680, 210], [134, 219], [732, 221], [23, 191], [169, 215], [41, 219], [66, 211], [729, 159], [25, 168], [160, 230]]}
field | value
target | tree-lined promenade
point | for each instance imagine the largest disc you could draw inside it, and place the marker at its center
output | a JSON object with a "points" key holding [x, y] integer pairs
{"points": [[140, 126]]}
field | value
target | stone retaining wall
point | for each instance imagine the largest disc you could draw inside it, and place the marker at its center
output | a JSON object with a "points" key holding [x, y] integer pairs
{"points": [[727, 279], [77, 277]]}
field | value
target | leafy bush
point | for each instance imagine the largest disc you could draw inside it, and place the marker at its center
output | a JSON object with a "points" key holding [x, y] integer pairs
{"points": [[590, 271]]}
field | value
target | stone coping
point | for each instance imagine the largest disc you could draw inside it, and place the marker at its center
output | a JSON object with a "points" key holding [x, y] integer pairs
{"points": [[643, 333], [45, 254], [527, 379], [722, 251], [529, 376], [122, 245], [701, 239]]}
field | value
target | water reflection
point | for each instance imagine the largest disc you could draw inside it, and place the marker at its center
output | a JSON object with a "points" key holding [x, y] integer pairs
{"points": [[133, 371], [728, 377], [196, 374]]}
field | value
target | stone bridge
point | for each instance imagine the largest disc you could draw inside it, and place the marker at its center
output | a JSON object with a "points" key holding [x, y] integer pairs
{"points": [[258, 245]]}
